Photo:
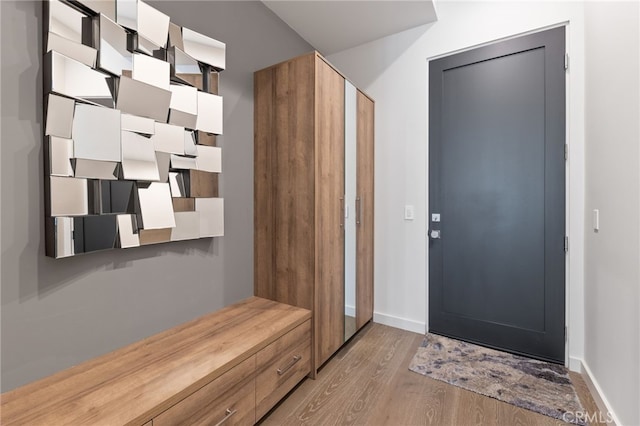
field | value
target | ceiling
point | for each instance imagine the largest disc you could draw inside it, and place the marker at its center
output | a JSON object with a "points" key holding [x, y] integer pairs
{"points": [[334, 25]]}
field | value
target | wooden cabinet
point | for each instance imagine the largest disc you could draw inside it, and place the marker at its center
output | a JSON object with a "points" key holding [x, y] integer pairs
{"points": [[229, 367], [364, 210], [228, 400], [299, 195], [280, 366]]}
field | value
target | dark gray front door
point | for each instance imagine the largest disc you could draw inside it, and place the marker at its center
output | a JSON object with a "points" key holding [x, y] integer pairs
{"points": [[497, 180]]}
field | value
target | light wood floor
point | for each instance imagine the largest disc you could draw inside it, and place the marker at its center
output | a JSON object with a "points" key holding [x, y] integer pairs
{"points": [[368, 383]]}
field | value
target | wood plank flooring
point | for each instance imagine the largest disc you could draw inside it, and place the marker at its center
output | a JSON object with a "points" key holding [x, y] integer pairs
{"points": [[368, 383]]}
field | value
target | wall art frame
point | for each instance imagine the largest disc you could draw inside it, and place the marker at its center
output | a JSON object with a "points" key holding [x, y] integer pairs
{"points": [[131, 115]]}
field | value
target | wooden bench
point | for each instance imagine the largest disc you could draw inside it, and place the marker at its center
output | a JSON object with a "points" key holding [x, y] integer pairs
{"points": [[230, 366]]}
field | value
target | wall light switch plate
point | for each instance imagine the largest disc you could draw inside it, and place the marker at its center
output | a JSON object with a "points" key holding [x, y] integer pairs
{"points": [[409, 212]]}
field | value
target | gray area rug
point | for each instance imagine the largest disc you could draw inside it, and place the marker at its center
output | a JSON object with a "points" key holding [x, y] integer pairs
{"points": [[527, 383]]}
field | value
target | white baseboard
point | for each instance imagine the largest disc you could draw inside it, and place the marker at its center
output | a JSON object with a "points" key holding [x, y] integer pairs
{"points": [[600, 399], [575, 364], [350, 310], [398, 322]]}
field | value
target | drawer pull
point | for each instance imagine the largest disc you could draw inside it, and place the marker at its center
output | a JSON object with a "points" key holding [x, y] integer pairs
{"points": [[227, 416], [283, 370]]}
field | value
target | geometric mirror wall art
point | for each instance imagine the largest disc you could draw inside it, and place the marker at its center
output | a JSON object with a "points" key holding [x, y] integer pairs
{"points": [[131, 111]]}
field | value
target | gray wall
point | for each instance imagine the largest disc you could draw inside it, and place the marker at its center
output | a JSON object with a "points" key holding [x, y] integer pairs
{"points": [[57, 313]]}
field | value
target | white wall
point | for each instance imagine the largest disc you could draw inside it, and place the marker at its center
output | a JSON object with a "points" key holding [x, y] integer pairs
{"points": [[57, 313], [393, 70], [612, 255], [603, 108]]}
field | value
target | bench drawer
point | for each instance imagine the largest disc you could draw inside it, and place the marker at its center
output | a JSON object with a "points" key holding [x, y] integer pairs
{"points": [[281, 366], [228, 400]]}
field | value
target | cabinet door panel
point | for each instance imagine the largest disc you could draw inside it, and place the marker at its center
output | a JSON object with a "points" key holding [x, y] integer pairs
{"points": [[364, 210], [231, 397], [284, 181], [329, 194]]}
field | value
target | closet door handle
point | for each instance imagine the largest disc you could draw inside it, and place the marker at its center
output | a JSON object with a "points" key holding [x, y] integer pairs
{"points": [[287, 367], [358, 210], [341, 212], [227, 416]]}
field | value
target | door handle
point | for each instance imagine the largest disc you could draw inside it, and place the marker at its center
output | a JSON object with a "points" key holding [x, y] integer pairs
{"points": [[228, 413], [358, 210], [341, 212], [435, 234], [288, 367]]}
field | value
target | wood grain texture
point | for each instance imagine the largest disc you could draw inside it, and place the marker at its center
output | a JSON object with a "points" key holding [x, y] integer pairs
{"points": [[138, 382], [365, 191], [368, 382], [293, 184], [184, 204], [234, 391], [284, 182], [207, 139], [329, 194], [195, 80], [263, 191], [214, 79], [154, 236], [291, 354], [203, 184]]}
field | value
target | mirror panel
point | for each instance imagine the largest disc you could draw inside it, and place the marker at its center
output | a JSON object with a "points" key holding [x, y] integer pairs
{"points": [[59, 120], [111, 40], [202, 184], [68, 196], [156, 208], [145, 100], [96, 133], [175, 36], [81, 53], [204, 49], [350, 156], [182, 64], [153, 25], [154, 236], [127, 13], [183, 163], [209, 159], [151, 71], [209, 113], [104, 7], [168, 138], [71, 78], [117, 197], [65, 21], [187, 226], [127, 231], [163, 160], [138, 158], [63, 237], [211, 216], [183, 106], [190, 147], [178, 185], [60, 155], [133, 123], [94, 233], [93, 169]]}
